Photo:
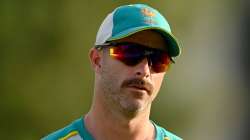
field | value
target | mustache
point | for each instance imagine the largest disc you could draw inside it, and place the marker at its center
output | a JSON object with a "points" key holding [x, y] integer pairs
{"points": [[140, 83]]}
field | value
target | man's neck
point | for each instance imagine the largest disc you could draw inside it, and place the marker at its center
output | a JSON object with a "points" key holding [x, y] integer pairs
{"points": [[106, 125]]}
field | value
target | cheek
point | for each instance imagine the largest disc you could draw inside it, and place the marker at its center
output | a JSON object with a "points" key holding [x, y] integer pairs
{"points": [[114, 72], [157, 81]]}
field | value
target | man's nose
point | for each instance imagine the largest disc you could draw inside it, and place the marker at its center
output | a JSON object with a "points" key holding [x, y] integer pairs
{"points": [[143, 68]]}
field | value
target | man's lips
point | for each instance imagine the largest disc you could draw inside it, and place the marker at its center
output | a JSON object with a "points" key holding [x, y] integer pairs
{"points": [[138, 87]]}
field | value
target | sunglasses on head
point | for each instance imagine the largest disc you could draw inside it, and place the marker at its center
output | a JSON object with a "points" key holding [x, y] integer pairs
{"points": [[132, 54]]}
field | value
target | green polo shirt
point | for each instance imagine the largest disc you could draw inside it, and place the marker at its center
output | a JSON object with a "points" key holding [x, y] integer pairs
{"points": [[77, 131]]}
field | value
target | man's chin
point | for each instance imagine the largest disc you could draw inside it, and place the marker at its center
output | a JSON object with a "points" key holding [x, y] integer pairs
{"points": [[132, 109]]}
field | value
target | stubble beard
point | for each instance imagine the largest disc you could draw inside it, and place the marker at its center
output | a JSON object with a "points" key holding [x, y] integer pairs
{"points": [[117, 100]]}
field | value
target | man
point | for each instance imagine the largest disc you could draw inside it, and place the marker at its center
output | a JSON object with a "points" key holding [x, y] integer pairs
{"points": [[134, 48]]}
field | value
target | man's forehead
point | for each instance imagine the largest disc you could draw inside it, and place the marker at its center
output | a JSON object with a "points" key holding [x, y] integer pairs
{"points": [[150, 38]]}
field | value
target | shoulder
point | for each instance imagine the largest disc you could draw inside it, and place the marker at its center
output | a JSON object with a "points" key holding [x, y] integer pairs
{"points": [[69, 132], [162, 133]]}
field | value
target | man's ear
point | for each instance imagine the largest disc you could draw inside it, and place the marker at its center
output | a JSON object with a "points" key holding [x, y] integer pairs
{"points": [[95, 59]]}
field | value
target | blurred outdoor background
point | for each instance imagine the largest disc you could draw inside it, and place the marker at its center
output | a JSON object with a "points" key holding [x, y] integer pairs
{"points": [[46, 80]]}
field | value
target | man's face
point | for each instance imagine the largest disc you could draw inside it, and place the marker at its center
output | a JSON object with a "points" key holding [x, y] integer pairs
{"points": [[130, 89]]}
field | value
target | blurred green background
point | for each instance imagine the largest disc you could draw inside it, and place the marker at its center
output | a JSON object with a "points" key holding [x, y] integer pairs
{"points": [[46, 79]]}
